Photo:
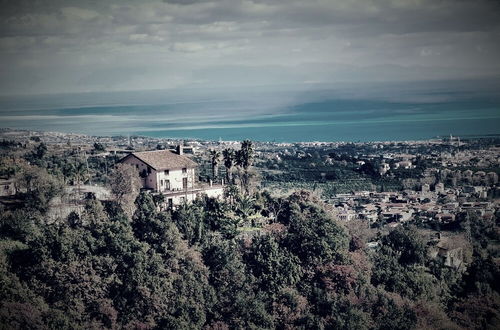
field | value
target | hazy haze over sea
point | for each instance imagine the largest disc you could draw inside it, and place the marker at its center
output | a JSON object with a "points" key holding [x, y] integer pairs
{"points": [[342, 112]]}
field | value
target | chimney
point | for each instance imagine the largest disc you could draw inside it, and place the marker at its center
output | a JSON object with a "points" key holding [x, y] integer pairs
{"points": [[180, 150]]}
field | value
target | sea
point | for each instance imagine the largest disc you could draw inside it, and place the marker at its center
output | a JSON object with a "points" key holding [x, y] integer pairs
{"points": [[286, 114]]}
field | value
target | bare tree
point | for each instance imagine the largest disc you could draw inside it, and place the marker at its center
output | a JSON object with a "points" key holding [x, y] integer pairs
{"points": [[38, 187], [276, 206], [125, 185]]}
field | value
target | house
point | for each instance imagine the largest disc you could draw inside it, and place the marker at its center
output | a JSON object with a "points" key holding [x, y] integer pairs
{"points": [[452, 251], [171, 174], [7, 187], [383, 168], [396, 215], [406, 164], [346, 215], [445, 217], [439, 188]]}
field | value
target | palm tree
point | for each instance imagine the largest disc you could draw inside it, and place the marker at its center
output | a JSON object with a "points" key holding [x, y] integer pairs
{"points": [[245, 154], [214, 158], [246, 207], [244, 158], [229, 158], [80, 173]]}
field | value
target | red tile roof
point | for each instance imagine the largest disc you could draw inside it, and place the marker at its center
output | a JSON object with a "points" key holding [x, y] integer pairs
{"points": [[163, 160]]}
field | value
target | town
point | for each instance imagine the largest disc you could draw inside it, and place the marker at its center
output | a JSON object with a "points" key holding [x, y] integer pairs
{"points": [[370, 224], [382, 183]]}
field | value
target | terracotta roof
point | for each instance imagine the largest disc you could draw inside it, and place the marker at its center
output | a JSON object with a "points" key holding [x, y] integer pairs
{"points": [[164, 159], [451, 243]]}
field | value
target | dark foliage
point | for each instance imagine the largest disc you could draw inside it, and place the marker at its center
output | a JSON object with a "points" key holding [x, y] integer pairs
{"points": [[192, 268]]}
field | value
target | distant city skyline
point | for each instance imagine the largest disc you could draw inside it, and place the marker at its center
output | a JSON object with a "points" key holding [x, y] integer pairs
{"points": [[51, 46]]}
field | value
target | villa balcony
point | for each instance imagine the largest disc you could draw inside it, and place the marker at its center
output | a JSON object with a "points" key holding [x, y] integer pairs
{"points": [[198, 189]]}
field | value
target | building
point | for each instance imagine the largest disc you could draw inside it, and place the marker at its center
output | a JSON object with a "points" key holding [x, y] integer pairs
{"points": [[492, 178], [383, 168], [171, 174], [451, 251], [7, 187], [346, 215], [406, 164], [439, 188]]}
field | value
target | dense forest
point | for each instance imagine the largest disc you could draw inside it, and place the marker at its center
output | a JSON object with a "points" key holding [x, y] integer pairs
{"points": [[130, 263]]}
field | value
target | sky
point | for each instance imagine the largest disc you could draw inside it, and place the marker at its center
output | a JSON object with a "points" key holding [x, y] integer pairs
{"points": [[51, 46]]}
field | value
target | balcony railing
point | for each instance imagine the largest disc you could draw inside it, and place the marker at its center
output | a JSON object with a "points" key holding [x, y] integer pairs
{"points": [[191, 190]]}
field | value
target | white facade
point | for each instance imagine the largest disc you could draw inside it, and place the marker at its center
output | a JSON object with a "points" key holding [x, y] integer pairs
{"points": [[161, 181], [178, 185], [175, 180]]}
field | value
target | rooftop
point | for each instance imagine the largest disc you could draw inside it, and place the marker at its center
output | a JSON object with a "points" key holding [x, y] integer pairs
{"points": [[164, 159]]}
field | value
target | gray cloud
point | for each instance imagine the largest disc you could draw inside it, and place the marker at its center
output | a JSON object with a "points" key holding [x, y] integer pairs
{"points": [[49, 46]]}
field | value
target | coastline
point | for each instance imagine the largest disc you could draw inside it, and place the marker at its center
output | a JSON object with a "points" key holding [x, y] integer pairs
{"points": [[63, 137]]}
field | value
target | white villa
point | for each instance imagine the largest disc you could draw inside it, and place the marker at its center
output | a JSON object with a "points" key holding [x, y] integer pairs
{"points": [[171, 174]]}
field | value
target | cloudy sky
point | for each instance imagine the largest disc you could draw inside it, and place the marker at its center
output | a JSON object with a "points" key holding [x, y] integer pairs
{"points": [[50, 46]]}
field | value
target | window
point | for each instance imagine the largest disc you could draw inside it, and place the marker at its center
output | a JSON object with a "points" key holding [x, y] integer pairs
{"points": [[184, 170], [166, 172], [183, 199], [184, 183], [167, 184], [161, 183], [170, 203]]}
